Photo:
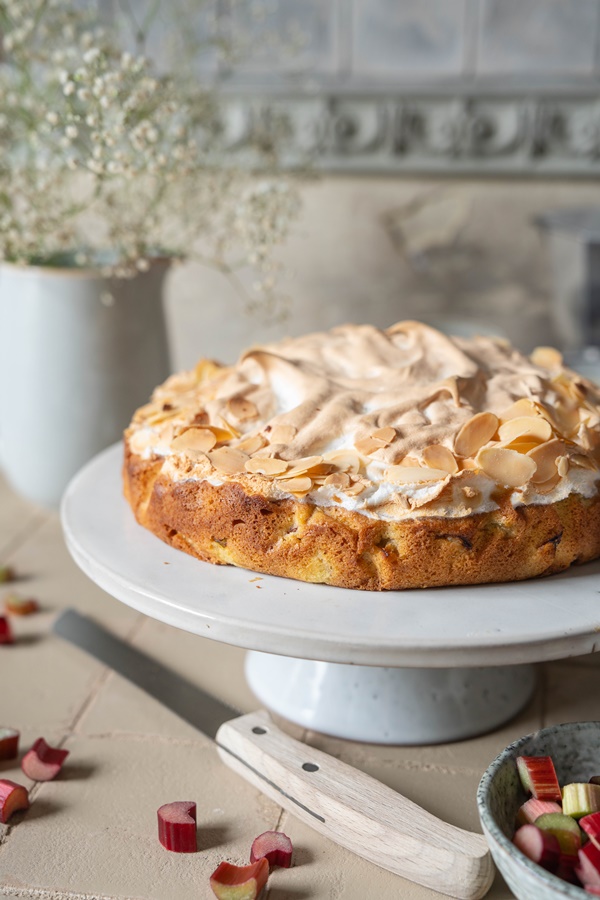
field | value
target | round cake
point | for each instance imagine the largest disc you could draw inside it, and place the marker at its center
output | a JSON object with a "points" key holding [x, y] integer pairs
{"points": [[370, 459]]}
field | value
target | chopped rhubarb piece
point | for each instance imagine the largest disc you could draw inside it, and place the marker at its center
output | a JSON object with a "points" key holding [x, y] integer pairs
{"points": [[239, 882], [567, 869], [42, 762], [9, 743], [581, 799], [538, 776], [6, 635], [588, 870], [591, 826], [7, 573], [532, 809], [275, 847], [539, 846], [20, 606], [177, 826], [590, 889], [13, 797], [565, 829]]}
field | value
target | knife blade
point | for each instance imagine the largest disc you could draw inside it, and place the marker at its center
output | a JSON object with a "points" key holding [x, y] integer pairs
{"points": [[351, 808]]}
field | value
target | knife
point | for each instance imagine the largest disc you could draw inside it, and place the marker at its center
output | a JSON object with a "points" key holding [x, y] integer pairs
{"points": [[349, 807]]}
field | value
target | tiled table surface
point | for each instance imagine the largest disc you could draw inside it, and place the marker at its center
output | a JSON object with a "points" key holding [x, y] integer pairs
{"points": [[92, 832]]}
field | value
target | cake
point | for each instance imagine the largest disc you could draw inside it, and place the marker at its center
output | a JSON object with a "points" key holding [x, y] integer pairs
{"points": [[377, 460]]}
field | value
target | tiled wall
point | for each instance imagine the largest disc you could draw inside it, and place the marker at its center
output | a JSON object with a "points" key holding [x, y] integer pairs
{"points": [[355, 42]]}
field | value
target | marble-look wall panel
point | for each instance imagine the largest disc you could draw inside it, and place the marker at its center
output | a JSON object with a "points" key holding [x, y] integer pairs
{"points": [[538, 36], [409, 38]]}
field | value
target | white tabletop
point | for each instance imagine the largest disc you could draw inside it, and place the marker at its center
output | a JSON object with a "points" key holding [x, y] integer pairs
{"points": [[493, 624]]}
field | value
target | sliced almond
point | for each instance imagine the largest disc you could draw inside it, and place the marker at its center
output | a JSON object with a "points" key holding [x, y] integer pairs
{"points": [[346, 460], [385, 434], [282, 434], [241, 408], [162, 415], [522, 407], [438, 457], [266, 466], [354, 489], [521, 446], [506, 467], [228, 460], [338, 480], [525, 427], [582, 462], [546, 357], [206, 369], [368, 445], [295, 485], [468, 465], [475, 433], [201, 439], [303, 465], [413, 474], [410, 461], [546, 486], [252, 443], [545, 457], [562, 465]]}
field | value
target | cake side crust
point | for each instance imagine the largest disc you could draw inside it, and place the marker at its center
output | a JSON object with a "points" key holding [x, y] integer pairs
{"points": [[226, 525]]}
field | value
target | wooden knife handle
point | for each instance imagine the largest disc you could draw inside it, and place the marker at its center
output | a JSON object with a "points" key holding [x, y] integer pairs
{"points": [[355, 810]]}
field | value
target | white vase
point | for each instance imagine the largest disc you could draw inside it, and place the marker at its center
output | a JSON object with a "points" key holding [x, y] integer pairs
{"points": [[79, 353]]}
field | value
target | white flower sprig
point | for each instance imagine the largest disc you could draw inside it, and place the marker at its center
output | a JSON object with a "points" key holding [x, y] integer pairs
{"points": [[107, 162]]}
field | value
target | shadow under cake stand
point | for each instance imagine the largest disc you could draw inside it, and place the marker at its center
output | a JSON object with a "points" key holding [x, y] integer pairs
{"points": [[393, 667]]}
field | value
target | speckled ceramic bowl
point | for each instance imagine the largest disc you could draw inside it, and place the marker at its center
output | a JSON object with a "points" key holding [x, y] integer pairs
{"points": [[575, 749]]}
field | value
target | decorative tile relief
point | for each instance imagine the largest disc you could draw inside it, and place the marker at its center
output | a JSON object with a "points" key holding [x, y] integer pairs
{"points": [[537, 36], [412, 37], [285, 36]]}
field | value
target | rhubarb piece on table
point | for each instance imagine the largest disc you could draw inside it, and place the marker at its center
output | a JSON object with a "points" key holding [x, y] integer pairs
{"points": [[590, 889], [9, 743], [6, 635], [588, 870], [177, 826], [591, 825], [532, 809], [20, 606], [42, 762], [538, 777], [13, 797], [539, 846], [7, 573], [565, 829], [581, 799], [275, 847], [239, 882]]}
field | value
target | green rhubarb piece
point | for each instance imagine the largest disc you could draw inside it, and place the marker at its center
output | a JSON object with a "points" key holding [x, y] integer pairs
{"points": [[580, 799], [564, 828]]}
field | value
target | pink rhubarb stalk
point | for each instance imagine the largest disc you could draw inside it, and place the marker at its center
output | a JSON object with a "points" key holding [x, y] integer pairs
{"points": [[539, 846], [275, 847], [538, 776], [6, 635], [239, 882], [9, 743], [13, 797], [177, 826], [42, 762]]}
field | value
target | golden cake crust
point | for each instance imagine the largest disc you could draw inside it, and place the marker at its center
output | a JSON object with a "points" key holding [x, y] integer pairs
{"points": [[229, 524]]}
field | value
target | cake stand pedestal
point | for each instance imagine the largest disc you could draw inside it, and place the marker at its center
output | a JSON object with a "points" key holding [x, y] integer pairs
{"points": [[397, 667]]}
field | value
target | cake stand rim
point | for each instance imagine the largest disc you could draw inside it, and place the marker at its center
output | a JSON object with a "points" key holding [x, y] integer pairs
{"points": [[257, 634]]}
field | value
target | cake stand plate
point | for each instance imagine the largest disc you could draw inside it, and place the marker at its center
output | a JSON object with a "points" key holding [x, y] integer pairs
{"points": [[401, 667]]}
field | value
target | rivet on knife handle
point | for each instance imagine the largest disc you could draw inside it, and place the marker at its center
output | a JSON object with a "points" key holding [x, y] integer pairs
{"points": [[355, 810]]}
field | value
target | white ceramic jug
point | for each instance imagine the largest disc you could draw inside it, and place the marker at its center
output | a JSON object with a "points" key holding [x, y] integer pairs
{"points": [[78, 354]]}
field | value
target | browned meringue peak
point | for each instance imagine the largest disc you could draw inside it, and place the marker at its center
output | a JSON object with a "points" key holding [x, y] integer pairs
{"points": [[386, 395]]}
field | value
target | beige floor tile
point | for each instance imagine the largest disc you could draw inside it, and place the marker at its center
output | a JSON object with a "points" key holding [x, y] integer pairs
{"points": [[573, 693], [217, 667], [94, 831], [18, 519], [48, 573]]}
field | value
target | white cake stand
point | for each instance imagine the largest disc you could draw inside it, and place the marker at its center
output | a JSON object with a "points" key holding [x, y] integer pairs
{"points": [[418, 666]]}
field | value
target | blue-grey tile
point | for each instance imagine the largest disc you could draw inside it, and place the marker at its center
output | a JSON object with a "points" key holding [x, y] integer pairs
{"points": [[285, 35], [537, 36], [411, 37]]}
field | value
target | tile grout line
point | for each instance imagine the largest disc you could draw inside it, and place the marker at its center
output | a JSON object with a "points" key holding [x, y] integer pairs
{"points": [[31, 527]]}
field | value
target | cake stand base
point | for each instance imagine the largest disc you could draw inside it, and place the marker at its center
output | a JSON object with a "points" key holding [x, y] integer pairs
{"points": [[389, 705]]}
